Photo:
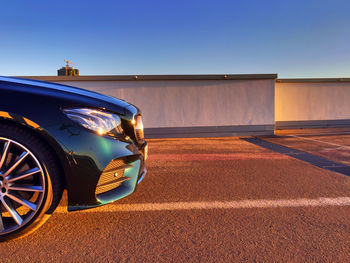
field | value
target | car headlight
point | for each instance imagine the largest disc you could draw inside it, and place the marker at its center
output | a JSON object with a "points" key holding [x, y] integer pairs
{"points": [[101, 122]]}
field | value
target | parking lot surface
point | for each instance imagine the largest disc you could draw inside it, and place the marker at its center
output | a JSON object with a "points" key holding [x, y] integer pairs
{"points": [[211, 200]]}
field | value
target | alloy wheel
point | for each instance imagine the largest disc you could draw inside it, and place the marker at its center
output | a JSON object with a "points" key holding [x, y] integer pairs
{"points": [[22, 186]]}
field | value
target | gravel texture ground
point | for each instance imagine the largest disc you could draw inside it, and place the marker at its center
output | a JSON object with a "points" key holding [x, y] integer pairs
{"points": [[187, 181]]}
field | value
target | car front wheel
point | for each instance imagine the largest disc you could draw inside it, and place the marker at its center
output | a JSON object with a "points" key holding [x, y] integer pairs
{"points": [[30, 183]]}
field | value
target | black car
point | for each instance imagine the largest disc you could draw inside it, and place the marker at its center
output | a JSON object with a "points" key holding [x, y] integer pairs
{"points": [[55, 137]]}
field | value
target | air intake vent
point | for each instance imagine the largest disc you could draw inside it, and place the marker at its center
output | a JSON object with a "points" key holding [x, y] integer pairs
{"points": [[112, 176]]}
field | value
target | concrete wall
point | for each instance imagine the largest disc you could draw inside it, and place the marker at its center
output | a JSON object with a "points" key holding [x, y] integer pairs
{"points": [[225, 105], [194, 103], [202, 106], [312, 103]]}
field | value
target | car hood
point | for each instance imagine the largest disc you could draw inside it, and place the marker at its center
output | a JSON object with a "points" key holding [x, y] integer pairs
{"points": [[75, 96]]}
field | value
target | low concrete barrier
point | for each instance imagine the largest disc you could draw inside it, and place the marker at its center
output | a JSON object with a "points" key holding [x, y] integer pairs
{"points": [[312, 103], [192, 105], [225, 105]]}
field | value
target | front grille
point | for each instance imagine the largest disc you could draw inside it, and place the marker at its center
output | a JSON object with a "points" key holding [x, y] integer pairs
{"points": [[112, 176], [134, 130]]}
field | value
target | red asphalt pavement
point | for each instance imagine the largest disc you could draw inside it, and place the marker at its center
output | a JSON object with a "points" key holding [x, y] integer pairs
{"points": [[189, 181]]}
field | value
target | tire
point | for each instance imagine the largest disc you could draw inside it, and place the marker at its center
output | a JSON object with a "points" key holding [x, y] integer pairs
{"points": [[30, 182]]}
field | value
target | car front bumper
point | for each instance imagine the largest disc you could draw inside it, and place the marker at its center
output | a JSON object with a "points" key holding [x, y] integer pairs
{"points": [[97, 164]]}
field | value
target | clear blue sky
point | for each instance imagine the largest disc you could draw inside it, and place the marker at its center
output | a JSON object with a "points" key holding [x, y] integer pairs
{"points": [[295, 38]]}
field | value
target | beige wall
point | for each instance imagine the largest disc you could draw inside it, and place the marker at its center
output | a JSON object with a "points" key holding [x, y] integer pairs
{"points": [[303, 101], [194, 103], [225, 104]]}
